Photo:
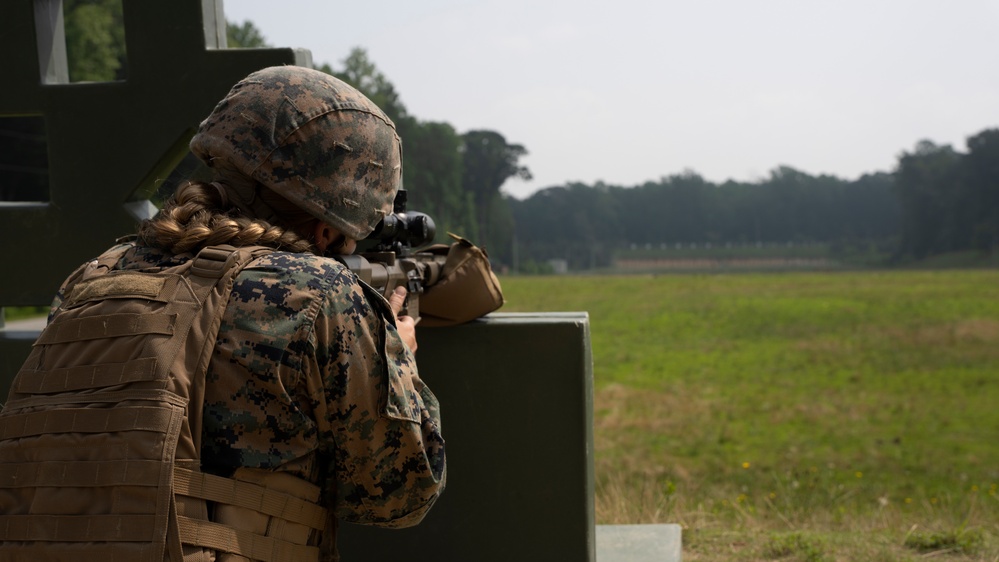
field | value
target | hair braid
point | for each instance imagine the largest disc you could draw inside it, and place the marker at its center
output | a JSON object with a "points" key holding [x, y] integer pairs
{"points": [[197, 216]]}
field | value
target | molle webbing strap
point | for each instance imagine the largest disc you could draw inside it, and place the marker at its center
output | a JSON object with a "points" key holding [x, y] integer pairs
{"points": [[87, 420], [79, 528], [162, 396], [81, 474], [107, 326], [87, 376], [244, 543], [249, 495], [80, 551]]}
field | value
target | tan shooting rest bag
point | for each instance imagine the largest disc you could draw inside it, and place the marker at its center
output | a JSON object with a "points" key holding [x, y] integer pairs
{"points": [[467, 289], [100, 438]]}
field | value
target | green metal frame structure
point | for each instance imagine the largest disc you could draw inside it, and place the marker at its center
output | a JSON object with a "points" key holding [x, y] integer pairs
{"points": [[108, 142]]}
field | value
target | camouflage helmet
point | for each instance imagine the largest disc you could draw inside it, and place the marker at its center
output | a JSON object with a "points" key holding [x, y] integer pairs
{"points": [[311, 138]]}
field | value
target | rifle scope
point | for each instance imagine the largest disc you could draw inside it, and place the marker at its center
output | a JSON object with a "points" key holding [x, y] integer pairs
{"points": [[403, 229]]}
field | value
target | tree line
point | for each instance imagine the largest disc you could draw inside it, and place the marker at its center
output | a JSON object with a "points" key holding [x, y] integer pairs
{"points": [[949, 200], [936, 200], [586, 225]]}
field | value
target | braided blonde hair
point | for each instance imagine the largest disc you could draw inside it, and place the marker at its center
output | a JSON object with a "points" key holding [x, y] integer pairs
{"points": [[199, 214]]}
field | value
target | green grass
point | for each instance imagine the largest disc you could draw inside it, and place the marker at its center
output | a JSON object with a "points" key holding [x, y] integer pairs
{"points": [[856, 403], [11, 313]]}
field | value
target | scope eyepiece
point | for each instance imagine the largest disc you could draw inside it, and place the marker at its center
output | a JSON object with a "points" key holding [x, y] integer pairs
{"points": [[412, 229], [400, 231]]}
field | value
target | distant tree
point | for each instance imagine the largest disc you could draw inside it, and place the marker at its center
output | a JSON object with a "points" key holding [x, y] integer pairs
{"points": [[926, 182], [577, 223], [981, 177], [432, 175], [244, 35], [867, 210], [950, 200], [95, 40], [360, 72], [488, 161]]}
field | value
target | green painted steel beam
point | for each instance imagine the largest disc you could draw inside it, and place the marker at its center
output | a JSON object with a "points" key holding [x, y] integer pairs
{"points": [[108, 142]]}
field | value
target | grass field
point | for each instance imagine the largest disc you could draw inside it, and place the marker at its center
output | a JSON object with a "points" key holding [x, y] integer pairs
{"points": [[795, 416]]}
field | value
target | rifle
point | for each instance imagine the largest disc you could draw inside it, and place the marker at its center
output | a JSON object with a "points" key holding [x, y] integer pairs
{"points": [[386, 259]]}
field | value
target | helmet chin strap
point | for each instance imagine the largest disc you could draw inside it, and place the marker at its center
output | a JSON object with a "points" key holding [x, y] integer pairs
{"points": [[242, 193], [336, 247]]}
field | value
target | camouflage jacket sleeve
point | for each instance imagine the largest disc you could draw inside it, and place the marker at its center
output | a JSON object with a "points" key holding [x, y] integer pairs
{"points": [[309, 377], [381, 419]]}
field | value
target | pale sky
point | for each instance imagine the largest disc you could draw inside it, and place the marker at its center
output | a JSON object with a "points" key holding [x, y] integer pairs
{"points": [[628, 91]]}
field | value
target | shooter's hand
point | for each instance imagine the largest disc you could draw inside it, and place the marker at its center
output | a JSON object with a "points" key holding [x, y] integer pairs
{"points": [[404, 324]]}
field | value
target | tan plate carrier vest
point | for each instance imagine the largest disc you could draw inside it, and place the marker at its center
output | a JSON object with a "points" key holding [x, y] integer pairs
{"points": [[100, 438]]}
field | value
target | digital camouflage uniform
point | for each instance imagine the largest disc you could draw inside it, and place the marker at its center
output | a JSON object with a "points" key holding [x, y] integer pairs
{"points": [[309, 376]]}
